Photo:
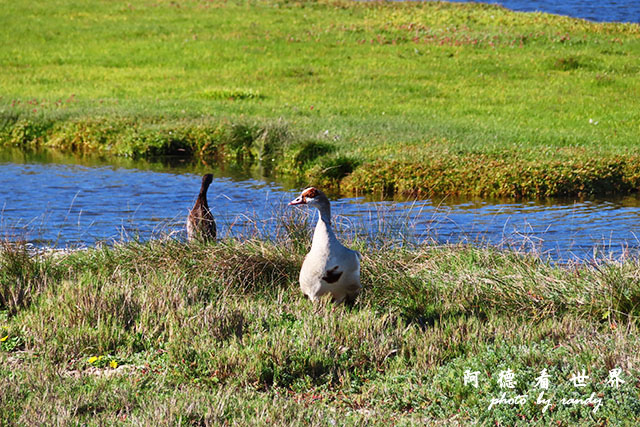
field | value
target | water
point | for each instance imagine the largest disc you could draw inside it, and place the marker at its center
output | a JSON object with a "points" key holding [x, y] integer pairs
{"points": [[593, 10], [64, 204]]}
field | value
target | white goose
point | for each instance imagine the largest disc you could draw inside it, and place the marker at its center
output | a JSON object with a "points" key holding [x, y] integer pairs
{"points": [[329, 267]]}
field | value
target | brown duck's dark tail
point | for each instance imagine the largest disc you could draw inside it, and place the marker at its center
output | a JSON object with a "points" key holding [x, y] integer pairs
{"points": [[206, 182]]}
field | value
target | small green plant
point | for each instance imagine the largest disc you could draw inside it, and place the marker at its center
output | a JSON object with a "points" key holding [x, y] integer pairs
{"points": [[567, 63], [231, 94], [9, 344]]}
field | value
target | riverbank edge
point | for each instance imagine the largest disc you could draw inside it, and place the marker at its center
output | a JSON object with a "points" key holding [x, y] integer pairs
{"points": [[278, 150]]}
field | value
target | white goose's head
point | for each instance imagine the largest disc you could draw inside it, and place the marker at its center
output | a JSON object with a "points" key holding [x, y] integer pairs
{"points": [[313, 197]]}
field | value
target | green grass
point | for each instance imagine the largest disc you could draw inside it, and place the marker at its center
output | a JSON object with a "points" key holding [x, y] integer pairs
{"points": [[478, 99], [170, 333]]}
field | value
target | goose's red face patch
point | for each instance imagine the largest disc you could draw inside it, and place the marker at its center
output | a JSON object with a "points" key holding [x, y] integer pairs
{"points": [[309, 193]]}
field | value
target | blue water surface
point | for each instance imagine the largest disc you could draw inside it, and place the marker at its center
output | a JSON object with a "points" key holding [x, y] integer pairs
{"points": [[592, 10]]}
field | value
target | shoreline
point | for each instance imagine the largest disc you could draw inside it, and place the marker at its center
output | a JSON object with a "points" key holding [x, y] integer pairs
{"points": [[279, 151]]}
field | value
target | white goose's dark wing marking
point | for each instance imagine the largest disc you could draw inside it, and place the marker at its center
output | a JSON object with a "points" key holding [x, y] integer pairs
{"points": [[332, 276]]}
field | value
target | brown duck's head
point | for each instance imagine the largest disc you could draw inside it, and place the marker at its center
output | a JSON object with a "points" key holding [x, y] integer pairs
{"points": [[207, 180], [310, 196]]}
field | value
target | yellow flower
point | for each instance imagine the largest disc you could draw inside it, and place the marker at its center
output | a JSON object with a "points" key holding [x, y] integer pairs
{"points": [[4, 338], [113, 364], [92, 359]]}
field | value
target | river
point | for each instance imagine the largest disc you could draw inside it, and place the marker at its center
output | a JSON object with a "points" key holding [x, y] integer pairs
{"points": [[65, 202]]}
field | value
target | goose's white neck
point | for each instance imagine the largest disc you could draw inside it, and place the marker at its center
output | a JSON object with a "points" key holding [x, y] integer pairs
{"points": [[323, 234]]}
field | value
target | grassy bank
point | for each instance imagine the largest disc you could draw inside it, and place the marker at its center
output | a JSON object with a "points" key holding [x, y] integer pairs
{"points": [[167, 333], [418, 98]]}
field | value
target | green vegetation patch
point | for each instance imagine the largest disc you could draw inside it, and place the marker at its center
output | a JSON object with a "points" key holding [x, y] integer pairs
{"points": [[231, 94], [507, 175]]}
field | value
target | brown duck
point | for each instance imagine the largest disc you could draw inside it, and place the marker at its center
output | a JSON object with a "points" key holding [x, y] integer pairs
{"points": [[200, 222]]}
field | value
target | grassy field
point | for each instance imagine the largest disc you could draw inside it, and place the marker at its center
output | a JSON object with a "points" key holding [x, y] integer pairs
{"points": [[417, 98], [166, 333]]}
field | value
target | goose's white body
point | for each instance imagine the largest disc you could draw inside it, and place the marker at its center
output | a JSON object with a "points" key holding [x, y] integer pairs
{"points": [[329, 267]]}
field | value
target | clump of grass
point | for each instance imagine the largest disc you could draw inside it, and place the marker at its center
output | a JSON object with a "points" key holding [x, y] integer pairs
{"points": [[463, 281], [303, 154], [22, 276], [19, 131], [328, 171], [567, 63], [231, 94], [496, 176]]}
